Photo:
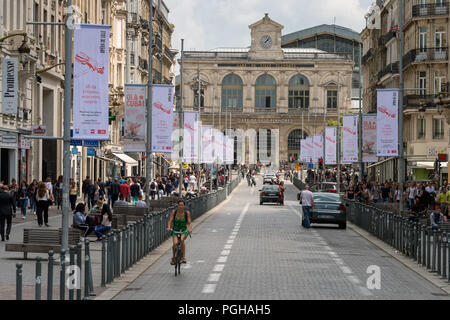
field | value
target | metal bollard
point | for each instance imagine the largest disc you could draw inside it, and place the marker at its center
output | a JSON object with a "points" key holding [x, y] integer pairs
{"points": [[419, 244], [122, 270], [19, 281], [89, 270], [127, 252], [108, 258], [72, 262], [117, 254], [439, 239], [424, 245], [428, 248], [79, 248], [38, 278], [433, 265], [86, 272], [444, 256], [103, 261], [50, 275], [62, 274]]}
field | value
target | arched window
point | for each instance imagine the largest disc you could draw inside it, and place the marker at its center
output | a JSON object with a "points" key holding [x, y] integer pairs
{"points": [[299, 92], [232, 91], [294, 144], [265, 92]]}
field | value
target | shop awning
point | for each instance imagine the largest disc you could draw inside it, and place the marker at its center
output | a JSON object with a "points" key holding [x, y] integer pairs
{"points": [[126, 158], [429, 164]]}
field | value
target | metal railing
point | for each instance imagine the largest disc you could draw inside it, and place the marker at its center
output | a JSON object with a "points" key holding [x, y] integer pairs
{"points": [[367, 56], [431, 9], [411, 236], [425, 55], [391, 68], [120, 250]]}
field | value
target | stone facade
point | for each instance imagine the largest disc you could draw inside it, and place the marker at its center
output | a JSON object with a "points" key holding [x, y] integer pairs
{"points": [[320, 69]]}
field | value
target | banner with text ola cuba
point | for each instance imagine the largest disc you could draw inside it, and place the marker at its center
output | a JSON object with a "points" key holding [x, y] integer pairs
{"points": [[387, 123]]}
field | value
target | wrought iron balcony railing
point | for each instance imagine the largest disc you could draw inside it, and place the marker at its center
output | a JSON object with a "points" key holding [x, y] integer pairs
{"points": [[392, 68], [425, 55], [430, 9]]}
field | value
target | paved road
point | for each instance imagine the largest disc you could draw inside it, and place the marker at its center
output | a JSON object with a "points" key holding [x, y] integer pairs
{"points": [[248, 251]]}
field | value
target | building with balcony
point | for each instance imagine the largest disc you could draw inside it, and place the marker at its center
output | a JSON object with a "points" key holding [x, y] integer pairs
{"points": [[266, 87], [425, 74]]}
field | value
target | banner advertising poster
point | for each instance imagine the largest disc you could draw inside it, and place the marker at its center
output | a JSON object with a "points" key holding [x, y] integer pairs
{"points": [[330, 145], [9, 85], [369, 148], [317, 147], [387, 123], [176, 145], [162, 118], [349, 138], [302, 150], [135, 118], [207, 145], [309, 149], [90, 82], [218, 146], [190, 136], [230, 150]]}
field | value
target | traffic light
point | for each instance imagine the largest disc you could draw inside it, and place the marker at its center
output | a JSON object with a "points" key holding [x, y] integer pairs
{"points": [[442, 157], [320, 163], [111, 118]]}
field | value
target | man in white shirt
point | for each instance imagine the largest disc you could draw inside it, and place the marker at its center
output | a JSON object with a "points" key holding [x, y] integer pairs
{"points": [[192, 181], [429, 188], [307, 202], [140, 203]]}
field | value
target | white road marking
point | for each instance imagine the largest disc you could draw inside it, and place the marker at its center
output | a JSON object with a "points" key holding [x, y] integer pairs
{"points": [[218, 268], [230, 241], [225, 253], [232, 237], [234, 233], [209, 288], [213, 230], [228, 247], [346, 270], [222, 259], [354, 279], [214, 277]]}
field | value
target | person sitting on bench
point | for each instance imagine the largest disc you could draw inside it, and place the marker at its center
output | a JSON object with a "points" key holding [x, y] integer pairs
{"points": [[82, 220], [106, 222]]}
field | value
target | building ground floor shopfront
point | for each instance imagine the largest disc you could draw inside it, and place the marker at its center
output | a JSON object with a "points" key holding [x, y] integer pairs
{"points": [[14, 157]]}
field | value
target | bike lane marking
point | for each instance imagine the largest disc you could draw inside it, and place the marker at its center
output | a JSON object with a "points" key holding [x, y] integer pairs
{"points": [[221, 261]]}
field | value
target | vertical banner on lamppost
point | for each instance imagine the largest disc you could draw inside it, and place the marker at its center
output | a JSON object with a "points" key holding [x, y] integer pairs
{"points": [[302, 150], [190, 137], [135, 118], [176, 143], [230, 150], [207, 146], [369, 148], [309, 149], [330, 145], [387, 123], [90, 82], [162, 118], [318, 147], [349, 138], [9, 85], [218, 146]]}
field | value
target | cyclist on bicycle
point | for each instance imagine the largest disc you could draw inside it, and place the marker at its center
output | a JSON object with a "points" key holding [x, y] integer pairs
{"points": [[181, 219]]}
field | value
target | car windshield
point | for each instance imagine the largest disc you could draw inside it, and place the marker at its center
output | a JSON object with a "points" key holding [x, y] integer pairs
{"points": [[270, 188], [326, 197]]}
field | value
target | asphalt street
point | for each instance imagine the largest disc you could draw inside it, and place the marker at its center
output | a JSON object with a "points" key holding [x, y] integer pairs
{"points": [[248, 251]]}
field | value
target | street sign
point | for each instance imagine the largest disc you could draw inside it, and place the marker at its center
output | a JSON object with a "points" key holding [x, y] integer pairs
{"points": [[91, 143], [310, 165], [39, 130], [74, 150], [91, 152]]}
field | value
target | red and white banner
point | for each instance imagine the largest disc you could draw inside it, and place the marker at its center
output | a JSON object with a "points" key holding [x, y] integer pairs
{"points": [[162, 118], [369, 148], [317, 147], [330, 145], [309, 149], [218, 146], [90, 82], [135, 118], [229, 154], [387, 123], [302, 150], [190, 136], [349, 138], [207, 144]]}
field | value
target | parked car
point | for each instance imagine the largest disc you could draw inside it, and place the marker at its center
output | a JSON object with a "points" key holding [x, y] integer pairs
{"points": [[329, 208], [269, 193]]}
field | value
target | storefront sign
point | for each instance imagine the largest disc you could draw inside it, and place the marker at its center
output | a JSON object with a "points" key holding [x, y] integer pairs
{"points": [[39, 130], [9, 85], [90, 87]]}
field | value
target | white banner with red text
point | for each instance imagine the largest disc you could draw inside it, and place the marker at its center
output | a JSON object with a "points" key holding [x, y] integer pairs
{"points": [[387, 122], [330, 145], [349, 138], [162, 118]]}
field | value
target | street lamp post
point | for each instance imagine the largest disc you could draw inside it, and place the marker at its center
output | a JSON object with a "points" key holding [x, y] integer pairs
{"points": [[149, 155], [338, 140], [180, 122]]}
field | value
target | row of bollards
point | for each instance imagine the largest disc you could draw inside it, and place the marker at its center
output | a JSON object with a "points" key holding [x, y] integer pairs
{"points": [[74, 277], [426, 245]]}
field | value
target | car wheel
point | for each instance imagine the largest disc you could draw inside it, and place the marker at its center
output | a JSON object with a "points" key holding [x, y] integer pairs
{"points": [[260, 202], [343, 225]]}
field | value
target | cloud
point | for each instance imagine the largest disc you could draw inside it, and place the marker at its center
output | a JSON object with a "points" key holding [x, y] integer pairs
{"points": [[208, 24]]}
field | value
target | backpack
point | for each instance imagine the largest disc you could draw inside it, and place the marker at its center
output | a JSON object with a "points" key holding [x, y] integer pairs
{"points": [[153, 185]]}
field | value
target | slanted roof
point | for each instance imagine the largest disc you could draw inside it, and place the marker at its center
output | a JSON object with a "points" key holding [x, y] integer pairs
{"points": [[324, 28]]}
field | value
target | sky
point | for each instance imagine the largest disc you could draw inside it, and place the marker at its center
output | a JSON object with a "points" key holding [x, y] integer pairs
{"points": [[208, 24]]}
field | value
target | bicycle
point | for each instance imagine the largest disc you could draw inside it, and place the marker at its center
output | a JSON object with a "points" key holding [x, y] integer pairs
{"points": [[178, 254]]}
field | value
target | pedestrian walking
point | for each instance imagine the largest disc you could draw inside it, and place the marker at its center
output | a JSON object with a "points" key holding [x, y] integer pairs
{"points": [[49, 185], [73, 194], [84, 187], [23, 198], [125, 191], [135, 190], [32, 189], [115, 191], [43, 199], [7, 211], [59, 192], [90, 190], [307, 202], [160, 189], [153, 189]]}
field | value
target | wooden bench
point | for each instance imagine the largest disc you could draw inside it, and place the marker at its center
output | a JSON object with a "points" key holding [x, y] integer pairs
{"points": [[40, 240], [130, 211]]}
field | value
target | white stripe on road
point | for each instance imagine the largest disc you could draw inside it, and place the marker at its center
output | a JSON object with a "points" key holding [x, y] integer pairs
{"points": [[222, 259], [225, 253], [209, 288], [227, 246], [218, 268], [214, 277]]}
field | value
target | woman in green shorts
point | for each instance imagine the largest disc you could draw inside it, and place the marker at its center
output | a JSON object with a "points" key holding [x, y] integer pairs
{"points": [[181, 219]]}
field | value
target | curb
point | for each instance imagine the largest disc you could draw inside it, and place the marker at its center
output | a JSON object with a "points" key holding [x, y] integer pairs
{"points": [[433, 278], [142, 266]]}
